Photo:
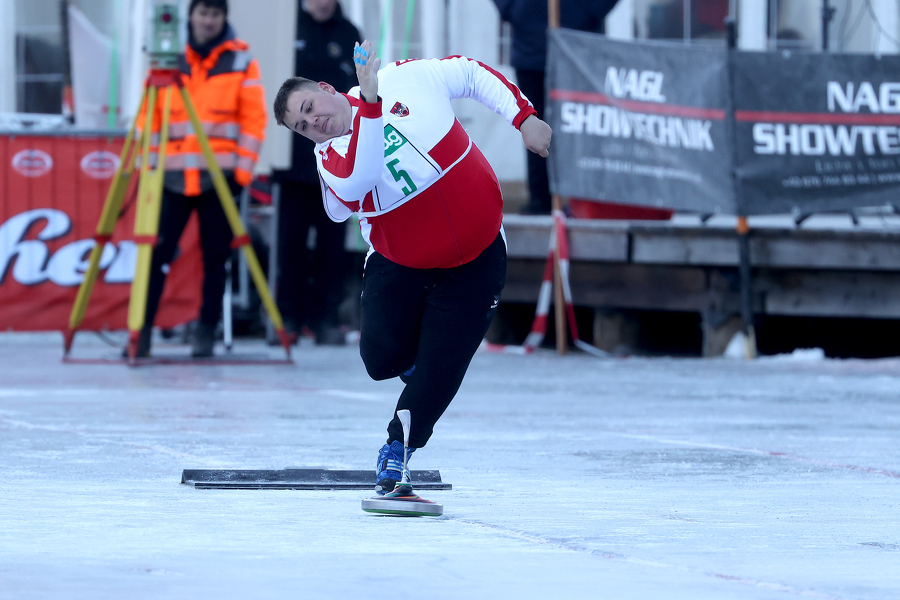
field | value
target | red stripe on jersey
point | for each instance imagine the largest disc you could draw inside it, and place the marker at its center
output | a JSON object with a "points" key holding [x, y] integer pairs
{"points": [[448, 224], [354, 206], [451, 147], [525, 109], [368, 204], [342, 166]]}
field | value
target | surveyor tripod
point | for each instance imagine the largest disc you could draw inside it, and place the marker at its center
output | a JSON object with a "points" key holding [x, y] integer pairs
{"points": [[149, 200]]}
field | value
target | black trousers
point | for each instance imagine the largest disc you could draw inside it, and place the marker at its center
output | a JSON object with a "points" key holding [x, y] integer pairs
{"points": [[430, 319], [532, 85], [311, 281], [215, 241]]}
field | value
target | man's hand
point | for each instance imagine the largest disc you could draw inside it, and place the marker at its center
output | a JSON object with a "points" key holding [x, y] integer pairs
{"points": [[367, 65], [536, 135]]}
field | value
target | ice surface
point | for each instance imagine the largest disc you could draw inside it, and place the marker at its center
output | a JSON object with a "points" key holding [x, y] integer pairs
{"points": [[573, 477]]}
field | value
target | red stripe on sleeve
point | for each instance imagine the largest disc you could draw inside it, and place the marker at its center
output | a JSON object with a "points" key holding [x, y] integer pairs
{"points": [[525, 109], [342, 166], [520, 118]]}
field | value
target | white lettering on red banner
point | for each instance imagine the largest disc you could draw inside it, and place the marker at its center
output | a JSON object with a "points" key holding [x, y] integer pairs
{"points": [[30, 261]]}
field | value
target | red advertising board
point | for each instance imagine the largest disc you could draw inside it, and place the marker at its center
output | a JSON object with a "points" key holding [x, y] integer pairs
{"points": [[52, 191]]}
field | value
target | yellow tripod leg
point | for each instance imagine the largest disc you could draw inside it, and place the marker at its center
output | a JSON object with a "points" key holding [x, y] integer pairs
{"points": [[110, 214], [146, 222], [234, 220]]}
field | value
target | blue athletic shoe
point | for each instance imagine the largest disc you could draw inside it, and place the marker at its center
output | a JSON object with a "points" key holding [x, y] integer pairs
{"points": [[390, 464]]}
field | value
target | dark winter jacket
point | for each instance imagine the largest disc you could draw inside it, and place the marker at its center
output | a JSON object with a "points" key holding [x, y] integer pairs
{"points": [[324, 52], [529, 23]]}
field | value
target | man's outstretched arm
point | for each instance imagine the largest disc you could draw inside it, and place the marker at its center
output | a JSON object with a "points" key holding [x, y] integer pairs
{"points": [[468, 78]]}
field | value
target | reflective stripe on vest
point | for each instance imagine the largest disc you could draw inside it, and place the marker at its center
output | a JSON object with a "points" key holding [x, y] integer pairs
{"points": [[195, 160], [249, 143], [228, 131], [245, 163], [241, 61]]}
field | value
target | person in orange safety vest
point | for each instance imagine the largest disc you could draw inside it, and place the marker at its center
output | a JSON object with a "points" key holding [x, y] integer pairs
{"points": [[224, 83]]}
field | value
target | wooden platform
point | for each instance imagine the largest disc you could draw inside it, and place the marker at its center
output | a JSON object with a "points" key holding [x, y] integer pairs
{"points": [[827, 267]]}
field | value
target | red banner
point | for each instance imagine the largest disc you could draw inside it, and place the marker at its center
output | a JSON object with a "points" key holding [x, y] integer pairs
{"points": [[53, 189]]}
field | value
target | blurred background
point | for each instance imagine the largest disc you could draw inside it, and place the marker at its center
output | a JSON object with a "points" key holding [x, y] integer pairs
{"points": [[96, 45], [79, 66]]}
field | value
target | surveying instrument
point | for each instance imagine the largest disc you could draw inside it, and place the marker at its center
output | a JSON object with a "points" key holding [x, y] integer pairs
{"points": [[164, 48]]}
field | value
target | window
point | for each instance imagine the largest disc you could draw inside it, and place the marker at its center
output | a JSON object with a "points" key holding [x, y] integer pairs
{"points": [[693, 20], [40, 57]]}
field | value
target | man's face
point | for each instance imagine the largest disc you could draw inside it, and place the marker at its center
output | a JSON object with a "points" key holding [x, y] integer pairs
{"points": [[320, 10], [207, 22], [318, 114]]}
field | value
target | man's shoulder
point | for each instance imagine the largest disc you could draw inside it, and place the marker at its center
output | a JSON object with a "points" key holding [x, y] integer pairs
{"points": [[236, 58], [402, 67]]}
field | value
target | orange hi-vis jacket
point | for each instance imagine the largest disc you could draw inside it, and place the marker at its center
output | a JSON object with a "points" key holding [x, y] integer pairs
{"points": [[227, 93]]}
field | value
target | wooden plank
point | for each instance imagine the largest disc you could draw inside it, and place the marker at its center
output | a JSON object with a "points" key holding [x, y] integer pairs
{"points": [[831, 294], [647, 287], [685, 248], [827, 252], [529, 237]]}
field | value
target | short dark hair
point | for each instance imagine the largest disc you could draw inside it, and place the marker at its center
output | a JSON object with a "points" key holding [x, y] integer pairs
{"points": [[287, 88], [220, 4]]}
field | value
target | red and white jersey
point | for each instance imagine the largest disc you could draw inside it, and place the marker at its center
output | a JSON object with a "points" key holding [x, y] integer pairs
{"points": [[425, 195]]}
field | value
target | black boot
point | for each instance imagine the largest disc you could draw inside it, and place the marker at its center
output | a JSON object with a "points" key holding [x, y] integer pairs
{"points": [[143, 349], [204, 340]]}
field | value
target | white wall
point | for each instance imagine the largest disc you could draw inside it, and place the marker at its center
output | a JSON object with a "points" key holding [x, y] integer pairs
{"points": [[804, 16], [889, 19], [751, 23], [620, 21], [270, 33], [7, 56], [134, 18]]}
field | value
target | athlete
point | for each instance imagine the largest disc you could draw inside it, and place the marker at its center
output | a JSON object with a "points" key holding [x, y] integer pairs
{"points": [[392, 151]]}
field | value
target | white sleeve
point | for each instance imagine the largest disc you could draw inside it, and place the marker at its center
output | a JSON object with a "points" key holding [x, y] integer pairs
{"points": [[352, 167], [468, 78]]}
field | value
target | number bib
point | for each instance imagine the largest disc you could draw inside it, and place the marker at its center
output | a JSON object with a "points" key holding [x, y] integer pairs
{"points": [[408, 171]]}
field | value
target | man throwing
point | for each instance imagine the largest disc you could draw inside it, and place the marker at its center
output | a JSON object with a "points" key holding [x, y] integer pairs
{"points": [[430, 208]]}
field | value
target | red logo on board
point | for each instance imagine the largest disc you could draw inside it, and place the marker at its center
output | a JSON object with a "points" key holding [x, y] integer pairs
{"points": [[32, 163], [100, 165]]}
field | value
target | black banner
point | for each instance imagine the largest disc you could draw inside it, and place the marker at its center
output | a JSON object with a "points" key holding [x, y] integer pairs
{"points": [[639, 123], [816, 132], [648, 123]]}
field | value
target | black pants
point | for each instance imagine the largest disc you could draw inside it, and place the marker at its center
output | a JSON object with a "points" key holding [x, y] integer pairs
{"points": [[430, 319], [215, 241], [311, 281], [532, 85]]}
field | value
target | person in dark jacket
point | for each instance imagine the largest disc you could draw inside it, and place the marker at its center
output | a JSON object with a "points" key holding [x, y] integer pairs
{"points": [[311, 279], [528, 56]]}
